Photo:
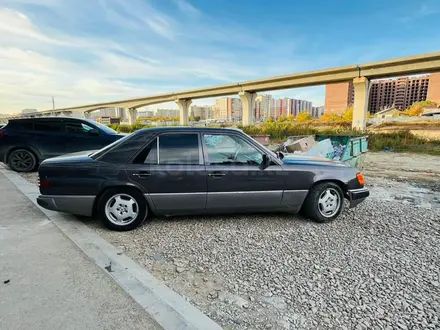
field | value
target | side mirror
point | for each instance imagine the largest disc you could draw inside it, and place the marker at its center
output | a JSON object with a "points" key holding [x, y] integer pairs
{"points": [[265, 162], [94, 132], [280, 155]]}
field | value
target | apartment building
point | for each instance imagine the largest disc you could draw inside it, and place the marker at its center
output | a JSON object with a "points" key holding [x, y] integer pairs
{"points": [[384, 93]]}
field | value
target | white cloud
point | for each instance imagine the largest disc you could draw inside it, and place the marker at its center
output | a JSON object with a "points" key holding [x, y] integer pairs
{"points": [[14, 24], [141, 54], [186, 7], [423, 11]]}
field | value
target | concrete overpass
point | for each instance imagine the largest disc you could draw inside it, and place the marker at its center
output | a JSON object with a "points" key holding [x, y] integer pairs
{"points": [[360, 75]]}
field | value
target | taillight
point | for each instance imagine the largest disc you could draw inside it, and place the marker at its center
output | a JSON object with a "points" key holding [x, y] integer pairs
{"points": [[360, 179], [2, 133], [43, 183]]}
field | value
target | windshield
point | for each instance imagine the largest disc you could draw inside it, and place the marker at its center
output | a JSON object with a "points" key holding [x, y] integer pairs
{"points": [[98, 153]]}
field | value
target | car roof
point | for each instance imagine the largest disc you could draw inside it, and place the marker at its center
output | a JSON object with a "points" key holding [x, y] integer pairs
{"points": [[46, 118], [186, 129]]}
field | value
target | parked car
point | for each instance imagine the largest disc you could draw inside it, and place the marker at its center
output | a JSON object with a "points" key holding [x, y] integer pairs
{"points": [[25, 143], [176, 171]]}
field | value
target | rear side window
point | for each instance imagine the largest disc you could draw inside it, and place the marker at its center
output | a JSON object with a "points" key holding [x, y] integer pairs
{"points": [[179, 149], [174, 149], [20, 125], [124, 151], [148, 155], [78, 128], [49, 126]]}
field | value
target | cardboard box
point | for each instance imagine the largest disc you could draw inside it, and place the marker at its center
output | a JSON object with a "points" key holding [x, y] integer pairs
{"points": [[302, 145]]}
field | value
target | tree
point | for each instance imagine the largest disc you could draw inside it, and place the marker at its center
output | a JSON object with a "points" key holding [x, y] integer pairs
{"points": [[270, 120], [330, 117], [304, 116], [348, 114], [417, 108]]}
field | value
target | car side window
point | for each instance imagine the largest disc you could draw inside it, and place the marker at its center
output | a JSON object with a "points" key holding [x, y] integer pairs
{"points": [[148, 155], [179, 149], [78, 128], [125, 150], [49, 126], [223, 149]]}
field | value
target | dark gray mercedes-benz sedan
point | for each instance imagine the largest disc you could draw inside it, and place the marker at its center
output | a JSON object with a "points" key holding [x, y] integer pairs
{"points": [[176, 171]]}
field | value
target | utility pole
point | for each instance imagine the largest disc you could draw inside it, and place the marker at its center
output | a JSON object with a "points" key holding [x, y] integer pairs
{"points": [[53, 103]]}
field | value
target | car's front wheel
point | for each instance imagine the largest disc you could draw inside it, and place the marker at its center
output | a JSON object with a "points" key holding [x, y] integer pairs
{"points": [[22, 160], [122, 209], [324, 202]]}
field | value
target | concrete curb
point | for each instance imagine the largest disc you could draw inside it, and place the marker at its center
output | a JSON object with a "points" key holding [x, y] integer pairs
{"points": [[168, 308]]}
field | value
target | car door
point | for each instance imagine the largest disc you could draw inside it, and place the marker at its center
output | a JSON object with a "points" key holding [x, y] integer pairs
{"points": [[49, 137], [235, 179], [82, 136], [172, 171]]}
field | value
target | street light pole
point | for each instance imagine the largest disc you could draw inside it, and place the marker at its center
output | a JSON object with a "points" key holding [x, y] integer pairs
{"points": [[53, 103]]}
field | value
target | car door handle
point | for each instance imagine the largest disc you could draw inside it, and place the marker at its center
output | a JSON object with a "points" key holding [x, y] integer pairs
{"points": [[142, 174], [216, 174]]}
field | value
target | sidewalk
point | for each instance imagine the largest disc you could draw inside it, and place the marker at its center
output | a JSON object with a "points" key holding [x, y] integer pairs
{"points": [[47, 283]]}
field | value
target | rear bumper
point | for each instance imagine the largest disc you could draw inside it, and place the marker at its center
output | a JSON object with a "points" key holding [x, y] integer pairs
{"points": [[356, 196], [78, 205]]}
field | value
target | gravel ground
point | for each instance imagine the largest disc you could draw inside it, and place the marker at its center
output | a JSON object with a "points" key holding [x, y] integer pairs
{"points": [[376, 267]]}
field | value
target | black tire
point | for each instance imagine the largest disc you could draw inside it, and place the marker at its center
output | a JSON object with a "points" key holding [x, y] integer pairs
{"points": [[108, 217], [22, 160], [312, 207]]}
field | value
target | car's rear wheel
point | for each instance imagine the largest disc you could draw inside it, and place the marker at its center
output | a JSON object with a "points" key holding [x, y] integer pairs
{"points": [[324, 202], [122, 209], [22, 160]]}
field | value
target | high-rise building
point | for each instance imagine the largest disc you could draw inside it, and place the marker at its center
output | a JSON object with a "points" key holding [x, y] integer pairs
{"points": [[111, 112], [317, 112], [399, 93], [338, 97], [237, 110], [167, 113], [228, 108], [221, 108], [434, 88], [203, 112], [146, 114], [263, 104]]}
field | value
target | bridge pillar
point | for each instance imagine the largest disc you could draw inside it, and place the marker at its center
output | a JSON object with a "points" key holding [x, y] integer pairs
{"points": [[183, 105], [247, 102], [132, 116], [360, 107], [87, 114]]}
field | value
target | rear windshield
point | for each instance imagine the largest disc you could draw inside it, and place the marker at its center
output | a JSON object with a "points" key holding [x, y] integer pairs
{"points": [[102, 151]]}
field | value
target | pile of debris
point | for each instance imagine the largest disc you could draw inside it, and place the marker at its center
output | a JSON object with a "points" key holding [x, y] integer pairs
{"points": [[309, 146]]}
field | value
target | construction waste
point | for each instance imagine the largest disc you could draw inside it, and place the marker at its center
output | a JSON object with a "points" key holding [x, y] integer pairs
{"points": [[308, 146]]}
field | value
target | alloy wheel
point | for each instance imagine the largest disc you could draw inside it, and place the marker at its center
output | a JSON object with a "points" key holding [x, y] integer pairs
{"points": [[121, 209], [329, 202], [22, 161]]}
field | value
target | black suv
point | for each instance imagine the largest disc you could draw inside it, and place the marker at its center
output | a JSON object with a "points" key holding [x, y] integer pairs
{"points": [[25, 143]]}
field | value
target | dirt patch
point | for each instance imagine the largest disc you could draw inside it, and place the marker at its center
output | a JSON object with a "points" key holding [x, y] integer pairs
{"points": [[421, 170]]}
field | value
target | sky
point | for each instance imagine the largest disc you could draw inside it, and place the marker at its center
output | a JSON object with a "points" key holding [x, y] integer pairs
{"points": [[85, 51]]}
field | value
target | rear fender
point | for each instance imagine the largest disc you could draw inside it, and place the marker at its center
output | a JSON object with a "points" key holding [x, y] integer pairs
{"points": [[115, 183]]}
